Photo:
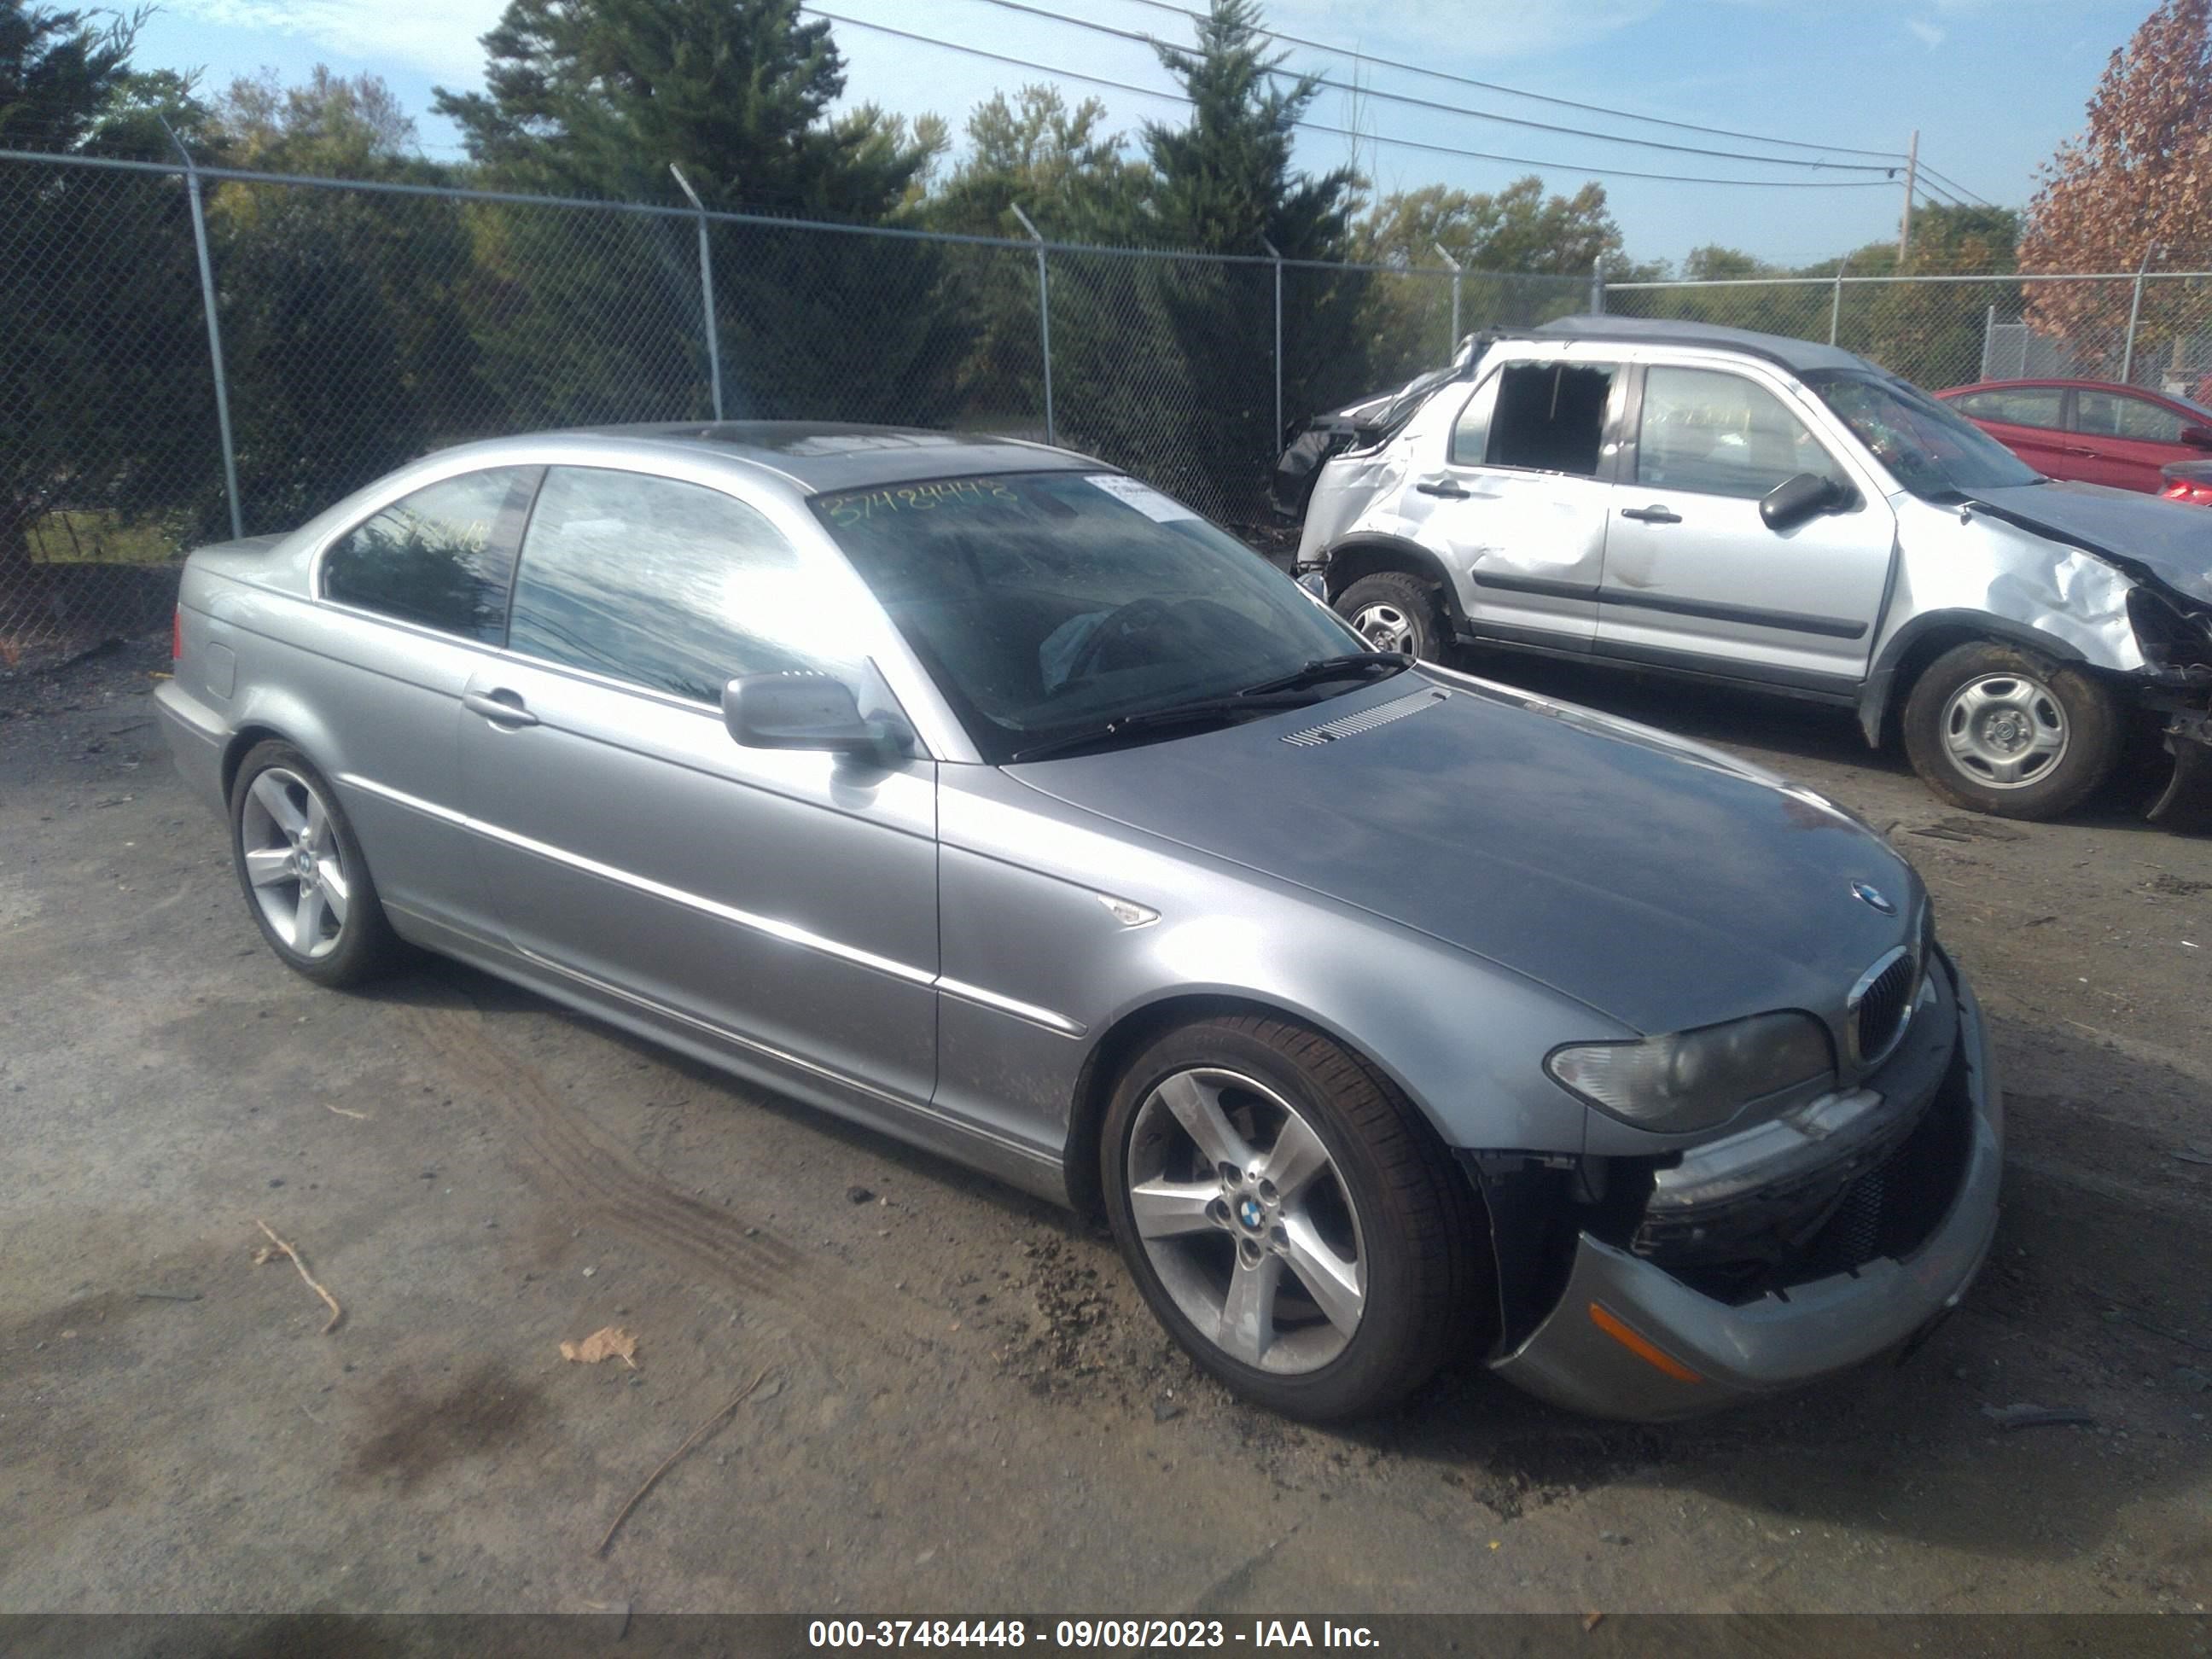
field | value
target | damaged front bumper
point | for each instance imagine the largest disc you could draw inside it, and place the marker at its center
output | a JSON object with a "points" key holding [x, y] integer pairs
{"points": [[2186, 801], [1630, 1338]]}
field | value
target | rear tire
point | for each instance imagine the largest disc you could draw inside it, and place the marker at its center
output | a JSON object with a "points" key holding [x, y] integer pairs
{"points": [[306, 882], [1395, 610], [1337, 1268], [1996, 729]]}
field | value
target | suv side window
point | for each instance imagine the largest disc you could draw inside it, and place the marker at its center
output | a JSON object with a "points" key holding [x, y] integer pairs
{"points": [[1717, 434], [2108, 414], [440, 557], [1550, 417], [2025, 405], [668, 585]]}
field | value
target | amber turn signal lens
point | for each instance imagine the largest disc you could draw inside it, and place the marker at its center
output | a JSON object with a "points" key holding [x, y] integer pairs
{"points": [[1649, 1353]]}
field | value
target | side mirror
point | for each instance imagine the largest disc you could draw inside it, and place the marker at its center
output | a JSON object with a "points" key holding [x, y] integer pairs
{"points": [[804, 710], [2197, 437], [1799, 500], [1315, 583]]}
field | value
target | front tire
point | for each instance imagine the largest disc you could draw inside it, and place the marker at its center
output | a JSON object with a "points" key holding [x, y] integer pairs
{"points": [[1289, 1217], [1393, 610], [1999, 729], [306, 882]]}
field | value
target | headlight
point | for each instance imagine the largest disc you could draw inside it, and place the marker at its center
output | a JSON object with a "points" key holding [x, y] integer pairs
{"points": [[1697, 1079]]}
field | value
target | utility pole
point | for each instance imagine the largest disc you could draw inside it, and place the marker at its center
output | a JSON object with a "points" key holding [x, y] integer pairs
{"points": [[1911, 188]]}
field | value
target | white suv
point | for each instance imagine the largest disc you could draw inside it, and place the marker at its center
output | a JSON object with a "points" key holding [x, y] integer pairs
{"points": [[1784, 516]]}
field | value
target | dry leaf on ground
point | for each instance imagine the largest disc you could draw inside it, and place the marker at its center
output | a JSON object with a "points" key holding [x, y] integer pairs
{"points": [[608, 1342]]}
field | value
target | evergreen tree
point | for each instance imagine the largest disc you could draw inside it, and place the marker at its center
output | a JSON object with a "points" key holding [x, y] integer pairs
{"points": [[597, 318], [346, 332], [105, 398]]}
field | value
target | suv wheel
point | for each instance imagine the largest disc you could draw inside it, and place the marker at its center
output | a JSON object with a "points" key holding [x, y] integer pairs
{"points": [[2003, 731], [1288, 1218], [1392, 611]]}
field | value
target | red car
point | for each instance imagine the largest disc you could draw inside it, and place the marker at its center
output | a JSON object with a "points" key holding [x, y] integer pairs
{"points": [[2089, 430]]}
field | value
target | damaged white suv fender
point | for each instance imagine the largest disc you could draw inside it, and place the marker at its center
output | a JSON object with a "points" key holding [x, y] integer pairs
{"points": [[1783, 516]]}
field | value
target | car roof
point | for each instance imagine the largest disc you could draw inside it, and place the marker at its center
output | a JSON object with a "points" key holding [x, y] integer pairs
{"points": [[1800, 356], [830, 455]]}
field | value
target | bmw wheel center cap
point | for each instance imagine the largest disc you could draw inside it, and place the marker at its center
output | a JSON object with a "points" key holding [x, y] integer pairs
{"points": [[1248, 1212]]}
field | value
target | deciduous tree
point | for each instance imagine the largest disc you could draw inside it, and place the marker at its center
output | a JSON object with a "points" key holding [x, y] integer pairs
{"points": [[2139, 176]]}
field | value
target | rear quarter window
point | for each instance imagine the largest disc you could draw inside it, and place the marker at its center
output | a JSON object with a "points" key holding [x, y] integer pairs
{"points": [[440, 557]]}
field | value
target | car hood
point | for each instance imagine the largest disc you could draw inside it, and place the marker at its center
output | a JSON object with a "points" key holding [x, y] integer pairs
{"points": [[2172, 540], [1653, 880]]}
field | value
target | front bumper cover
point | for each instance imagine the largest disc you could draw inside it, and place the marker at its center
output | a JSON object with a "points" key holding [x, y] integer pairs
{"points": [[1725, 1354]]}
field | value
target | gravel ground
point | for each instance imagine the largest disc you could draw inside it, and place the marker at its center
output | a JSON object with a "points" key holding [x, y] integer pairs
{"points": [[961, 1404]]}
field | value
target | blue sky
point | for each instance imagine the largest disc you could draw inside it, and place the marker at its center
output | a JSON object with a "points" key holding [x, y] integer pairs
{"points": [[1992, 85]]}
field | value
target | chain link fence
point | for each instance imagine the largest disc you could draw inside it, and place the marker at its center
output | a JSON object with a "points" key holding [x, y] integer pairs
{"points": [[151, 401], [2152, 330]]}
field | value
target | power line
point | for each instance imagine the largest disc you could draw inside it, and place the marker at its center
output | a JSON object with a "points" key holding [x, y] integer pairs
{"points": [[1346, 132], [1541, 98], [1968, 195], [1143, 38]]}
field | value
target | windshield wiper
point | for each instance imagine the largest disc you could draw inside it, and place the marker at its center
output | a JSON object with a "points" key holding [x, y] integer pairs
{"points": [[1180, 713], [1332, 668]]}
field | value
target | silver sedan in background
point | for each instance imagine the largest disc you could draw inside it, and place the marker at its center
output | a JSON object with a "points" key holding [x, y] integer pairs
{"points": [[978, 793]]}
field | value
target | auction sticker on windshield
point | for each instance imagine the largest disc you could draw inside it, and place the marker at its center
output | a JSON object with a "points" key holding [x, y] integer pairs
{"points": [[1160, 509]]}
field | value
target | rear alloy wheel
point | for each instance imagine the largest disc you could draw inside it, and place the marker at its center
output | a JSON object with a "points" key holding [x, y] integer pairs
{"points": [[1287, 1218], [305, 879], [2003, 731], [1392, 611]]}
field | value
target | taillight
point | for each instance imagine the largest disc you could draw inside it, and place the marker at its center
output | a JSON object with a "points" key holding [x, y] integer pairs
{"points": [[177, 634], [2185, 490]]}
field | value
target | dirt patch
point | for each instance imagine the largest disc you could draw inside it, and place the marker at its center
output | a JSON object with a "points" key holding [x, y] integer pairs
{"points": [[415, 1431]]}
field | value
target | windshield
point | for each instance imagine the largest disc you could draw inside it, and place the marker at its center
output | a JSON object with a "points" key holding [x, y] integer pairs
{"points": [[1046, 605], [1933, 452]]}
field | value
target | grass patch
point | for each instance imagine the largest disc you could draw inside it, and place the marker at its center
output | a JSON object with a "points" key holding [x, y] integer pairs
{"points": [[104, 537]]}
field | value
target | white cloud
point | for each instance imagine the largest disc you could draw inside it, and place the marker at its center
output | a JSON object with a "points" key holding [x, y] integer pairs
{"points": [[438, 37], [1928, 33]]}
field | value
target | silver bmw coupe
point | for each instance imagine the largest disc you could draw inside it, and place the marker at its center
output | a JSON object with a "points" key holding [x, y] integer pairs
{"points": [[976, 792]]}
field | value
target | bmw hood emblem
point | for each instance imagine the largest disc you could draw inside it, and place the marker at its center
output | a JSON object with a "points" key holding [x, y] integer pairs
{"points": [[1866, 893]]}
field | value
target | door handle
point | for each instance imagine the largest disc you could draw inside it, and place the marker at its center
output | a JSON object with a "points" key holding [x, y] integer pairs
{"points": [[500, 708], [1651, 514], [1450, 489]]}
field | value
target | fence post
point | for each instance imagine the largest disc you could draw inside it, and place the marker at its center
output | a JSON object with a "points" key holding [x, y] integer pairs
{"points": [[215, 334], [1989, 343], [1836, 305], [1276, 254], [2135, 311], [1597, 286], [1044, 320], [705, 292], [1451, 346]]}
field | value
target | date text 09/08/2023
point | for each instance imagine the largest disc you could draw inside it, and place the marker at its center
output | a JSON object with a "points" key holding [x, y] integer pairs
{"points": [[1086, 1634]]}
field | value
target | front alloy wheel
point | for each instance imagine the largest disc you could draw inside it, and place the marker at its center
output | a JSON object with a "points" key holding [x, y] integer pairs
{"points": [[1246, 1219], [1289, 1216]]}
